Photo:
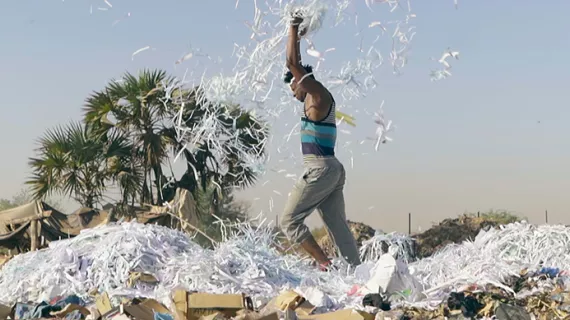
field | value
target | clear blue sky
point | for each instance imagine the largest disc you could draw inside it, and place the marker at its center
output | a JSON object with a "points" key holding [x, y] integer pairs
{"points": [[494, 135]]}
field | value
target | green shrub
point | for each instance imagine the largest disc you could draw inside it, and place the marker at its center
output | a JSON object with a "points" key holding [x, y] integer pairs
{"points": [[498, 216]]}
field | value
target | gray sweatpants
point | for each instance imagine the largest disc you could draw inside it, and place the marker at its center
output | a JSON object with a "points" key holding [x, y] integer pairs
{"points": [[321, 188]]}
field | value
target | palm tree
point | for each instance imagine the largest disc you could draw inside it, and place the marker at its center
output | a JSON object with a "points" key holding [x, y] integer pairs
{"points": [[135, 107], [138, 108], [204, 166], [73, 160]]}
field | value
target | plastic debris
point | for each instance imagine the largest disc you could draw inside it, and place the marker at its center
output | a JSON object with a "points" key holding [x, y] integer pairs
{"points": [[392, 277]]}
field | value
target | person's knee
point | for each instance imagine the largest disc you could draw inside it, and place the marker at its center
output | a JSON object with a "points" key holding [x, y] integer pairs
{"points": [[285, 222], [295, 231]]}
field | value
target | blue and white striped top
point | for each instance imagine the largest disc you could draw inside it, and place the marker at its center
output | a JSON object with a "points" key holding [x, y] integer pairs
{"points": [[318, 138]]}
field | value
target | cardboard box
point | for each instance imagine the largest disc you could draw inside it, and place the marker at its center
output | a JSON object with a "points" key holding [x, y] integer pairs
{"points": [[291, 300], [155, 306], [136, 309], [135, 277], [347, 314], [103, 303], [69, 309], [191, 306], [272, 316], [136, 312], [115, 313], [252, 315], [215, 316], [5, 311], [120, 317]]}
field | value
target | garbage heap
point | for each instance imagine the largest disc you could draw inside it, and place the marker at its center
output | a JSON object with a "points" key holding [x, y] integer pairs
{"points": [[457, 230], [542, 295], [133, 271], [360, 231], [422, 245]]}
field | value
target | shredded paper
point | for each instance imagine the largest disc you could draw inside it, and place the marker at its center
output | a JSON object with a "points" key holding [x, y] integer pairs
{"points": [[255, 82], [248, 261], [384, 36], [495, 255], [104, 257]]}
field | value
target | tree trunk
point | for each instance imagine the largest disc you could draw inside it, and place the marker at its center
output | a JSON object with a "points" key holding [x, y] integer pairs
{"points": [[89, 201], [144, 191], [150, 188], [34, 235], [158, 183]]}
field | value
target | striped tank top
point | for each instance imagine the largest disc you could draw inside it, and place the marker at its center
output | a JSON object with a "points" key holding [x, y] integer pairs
{"points": [[318, 138]]}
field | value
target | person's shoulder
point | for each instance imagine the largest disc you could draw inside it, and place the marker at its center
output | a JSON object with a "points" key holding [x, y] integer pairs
{"points": [[327, 95]]}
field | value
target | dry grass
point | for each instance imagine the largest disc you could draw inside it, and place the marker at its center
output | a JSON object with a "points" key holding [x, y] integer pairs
{"points": [[360, 231], [319, 233]]}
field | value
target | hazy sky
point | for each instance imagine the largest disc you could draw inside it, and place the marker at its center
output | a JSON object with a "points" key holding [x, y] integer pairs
{"points": [[494, 135]]}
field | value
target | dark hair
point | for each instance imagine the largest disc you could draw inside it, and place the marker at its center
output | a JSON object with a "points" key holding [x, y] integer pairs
{"points": [[289, 75]]}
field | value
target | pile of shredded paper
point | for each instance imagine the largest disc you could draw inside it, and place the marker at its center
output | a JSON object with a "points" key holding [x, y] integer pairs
{"points": [[493, 256], [399, 245], [103, 259]]}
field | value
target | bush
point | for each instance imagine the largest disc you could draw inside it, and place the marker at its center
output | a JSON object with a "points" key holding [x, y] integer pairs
{"points": [[497, 216]]}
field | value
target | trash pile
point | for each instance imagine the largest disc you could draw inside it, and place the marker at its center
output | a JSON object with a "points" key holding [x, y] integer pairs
{"points": [[542, 295], [187, 306], [125, 268], [360, 231], [457, 230]]}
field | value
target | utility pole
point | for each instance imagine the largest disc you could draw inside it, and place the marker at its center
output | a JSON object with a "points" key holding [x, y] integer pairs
{"points": [[410, 223]]}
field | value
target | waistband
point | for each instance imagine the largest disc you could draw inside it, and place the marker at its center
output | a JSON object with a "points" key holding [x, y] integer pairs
{"points": [[317, 161]]}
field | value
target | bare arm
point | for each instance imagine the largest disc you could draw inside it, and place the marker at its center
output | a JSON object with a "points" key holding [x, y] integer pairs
{"points": [[294, 63]]}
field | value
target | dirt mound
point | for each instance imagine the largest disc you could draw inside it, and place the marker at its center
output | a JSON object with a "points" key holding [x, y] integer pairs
{"points": [[360, 231], [449, 231], [456, 230]]}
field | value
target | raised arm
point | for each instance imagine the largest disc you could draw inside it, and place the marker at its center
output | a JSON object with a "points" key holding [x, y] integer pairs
{"points": [[294, 61]]}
